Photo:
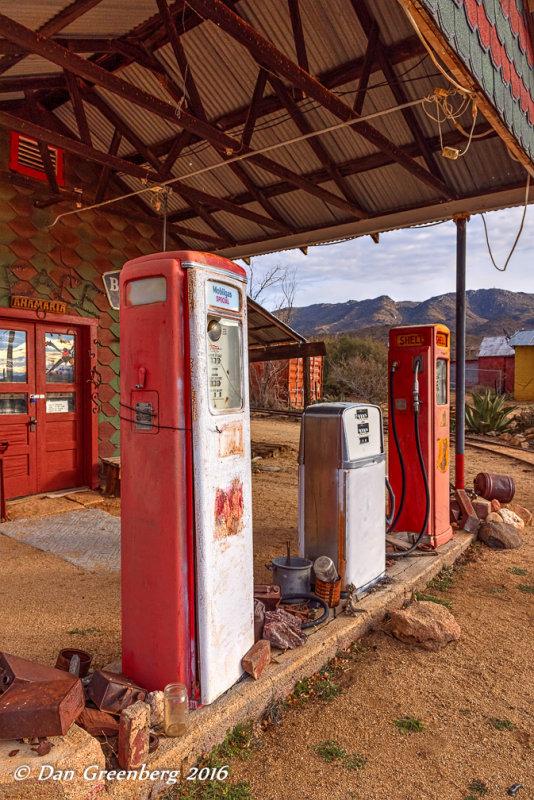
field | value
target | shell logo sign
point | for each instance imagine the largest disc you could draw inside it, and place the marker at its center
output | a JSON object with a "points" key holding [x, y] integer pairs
{"points": [[410, 339]]}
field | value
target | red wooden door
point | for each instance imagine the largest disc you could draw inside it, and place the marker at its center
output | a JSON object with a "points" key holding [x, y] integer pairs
{"points": [[17, 411], [59, 407]]}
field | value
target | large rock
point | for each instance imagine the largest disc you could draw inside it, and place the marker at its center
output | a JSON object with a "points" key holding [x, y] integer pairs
{"points": [[522, 512], [511, 518], [425, 624], [500, 535], [283, 629]]}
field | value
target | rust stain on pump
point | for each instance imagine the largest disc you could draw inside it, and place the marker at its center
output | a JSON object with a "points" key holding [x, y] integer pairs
{"points": [[443, 454], [229, 510], [231, 440]]}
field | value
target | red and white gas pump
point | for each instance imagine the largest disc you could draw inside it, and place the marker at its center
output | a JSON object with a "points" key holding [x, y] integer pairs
{"points": [[187, 564], [419, 430]]}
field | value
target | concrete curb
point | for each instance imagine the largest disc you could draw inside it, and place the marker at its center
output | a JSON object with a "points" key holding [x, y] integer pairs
{"points": [[249, 699], [244, 702]]}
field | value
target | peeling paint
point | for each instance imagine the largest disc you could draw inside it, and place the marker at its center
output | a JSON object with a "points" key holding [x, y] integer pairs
{"points": [[231, 440], [229, 510], [443, 454]]}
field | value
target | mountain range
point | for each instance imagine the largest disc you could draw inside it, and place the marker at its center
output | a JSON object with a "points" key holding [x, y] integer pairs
{"points": [[490, 312]]}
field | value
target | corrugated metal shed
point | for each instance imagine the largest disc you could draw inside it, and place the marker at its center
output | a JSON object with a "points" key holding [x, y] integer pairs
{"points": [[495, 346], [522, 339]]}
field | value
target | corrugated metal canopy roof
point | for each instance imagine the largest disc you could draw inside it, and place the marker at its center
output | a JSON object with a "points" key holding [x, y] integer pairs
{"points": [[243, 67], [266, 329]]}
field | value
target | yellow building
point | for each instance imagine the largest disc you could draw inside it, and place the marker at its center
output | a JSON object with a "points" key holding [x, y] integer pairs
{"points": [[523, 343]]}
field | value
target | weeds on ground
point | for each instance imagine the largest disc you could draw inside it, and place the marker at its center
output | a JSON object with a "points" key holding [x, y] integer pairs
{"points": [[83, 631], [502, 724], [431, 598], [236, 744], [331, 751], [406, 724], [477, 786], [526, 588], [444, 579], [319, 685], [274, 713], [497, 589], [517, 571]]}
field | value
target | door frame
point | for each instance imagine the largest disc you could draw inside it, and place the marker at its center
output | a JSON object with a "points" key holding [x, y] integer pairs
{"points": [[88, 330]]}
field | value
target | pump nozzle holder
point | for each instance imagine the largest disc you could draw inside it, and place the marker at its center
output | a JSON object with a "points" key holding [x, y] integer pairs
{"points": [[416, 401], [141, 378]]}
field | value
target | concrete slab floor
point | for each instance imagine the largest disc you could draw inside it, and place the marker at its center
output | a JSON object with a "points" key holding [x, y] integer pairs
{"points": [[89, 538], [249, 699]]}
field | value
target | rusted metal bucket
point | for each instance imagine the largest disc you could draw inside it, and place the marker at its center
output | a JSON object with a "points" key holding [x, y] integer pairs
{"points": [[293, 577], [329, 591], [494, 487], [65, 656]]}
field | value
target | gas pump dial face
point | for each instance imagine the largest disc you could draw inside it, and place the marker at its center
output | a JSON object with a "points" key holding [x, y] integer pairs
{"points": [[224, 364]]}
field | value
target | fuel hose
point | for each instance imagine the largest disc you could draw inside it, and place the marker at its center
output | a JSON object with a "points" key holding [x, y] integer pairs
{"points": [[397, 445], [427, 492]]}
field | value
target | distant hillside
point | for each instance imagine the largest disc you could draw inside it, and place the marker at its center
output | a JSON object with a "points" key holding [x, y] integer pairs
{"points": [[489, 312]]}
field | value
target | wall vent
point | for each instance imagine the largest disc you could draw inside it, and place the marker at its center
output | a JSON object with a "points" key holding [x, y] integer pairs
{"points": [[25, 157]]}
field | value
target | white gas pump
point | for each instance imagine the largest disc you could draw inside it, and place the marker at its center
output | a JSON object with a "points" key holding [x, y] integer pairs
{"points": [[342, 475]]}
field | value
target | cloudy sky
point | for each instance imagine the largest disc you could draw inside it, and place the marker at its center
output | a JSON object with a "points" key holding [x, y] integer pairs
{"points": [[411, 264]]}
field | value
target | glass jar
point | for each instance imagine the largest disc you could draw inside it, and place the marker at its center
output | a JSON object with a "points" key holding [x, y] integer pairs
{"points": [[325, 569], [176, 707]]}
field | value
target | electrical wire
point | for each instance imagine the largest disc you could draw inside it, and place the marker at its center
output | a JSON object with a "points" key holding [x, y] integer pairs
{"points": [[427, 46], [145, 422], [243, 157], [520, 231]]}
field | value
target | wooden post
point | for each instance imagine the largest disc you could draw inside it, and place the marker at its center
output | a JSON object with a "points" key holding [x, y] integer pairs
{"points": [[306, 381]]}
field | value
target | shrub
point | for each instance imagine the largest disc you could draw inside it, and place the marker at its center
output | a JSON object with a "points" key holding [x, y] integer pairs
{"points": [[488, 413], [356, 369]]}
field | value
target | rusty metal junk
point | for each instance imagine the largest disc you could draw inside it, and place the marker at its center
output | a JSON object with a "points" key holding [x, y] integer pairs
{"points": [[268, 594], [494, 487], [112, 692], [64, 660], [35, 700], [329, 591]]}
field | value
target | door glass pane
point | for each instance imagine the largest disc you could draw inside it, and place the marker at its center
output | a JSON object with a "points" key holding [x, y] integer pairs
{"points": [[59, 355], [12, 356], [60, 402], [11, 403]]}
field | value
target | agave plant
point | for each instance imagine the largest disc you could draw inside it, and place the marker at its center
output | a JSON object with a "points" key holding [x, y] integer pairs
{"points": [[488, 413]]}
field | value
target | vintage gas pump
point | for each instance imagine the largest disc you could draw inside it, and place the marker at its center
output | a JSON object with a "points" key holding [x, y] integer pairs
{"points": [[342, 469], [187, 567], [419, 429]]}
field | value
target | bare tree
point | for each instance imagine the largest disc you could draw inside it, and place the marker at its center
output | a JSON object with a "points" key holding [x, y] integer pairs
{"points": [[258, 284], [268, 380]]}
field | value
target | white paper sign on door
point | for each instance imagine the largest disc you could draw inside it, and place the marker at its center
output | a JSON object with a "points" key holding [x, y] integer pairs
{"points": [[57, 406]]}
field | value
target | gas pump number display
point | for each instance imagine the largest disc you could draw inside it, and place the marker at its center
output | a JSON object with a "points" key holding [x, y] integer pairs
{"points": [[224, 363]]}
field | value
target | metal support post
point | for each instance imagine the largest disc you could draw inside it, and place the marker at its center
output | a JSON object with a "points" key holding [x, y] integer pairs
{"points": [[460, 350]]}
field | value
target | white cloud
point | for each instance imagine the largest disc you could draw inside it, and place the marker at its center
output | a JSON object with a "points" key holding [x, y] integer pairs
{"points": [[411, 264]]}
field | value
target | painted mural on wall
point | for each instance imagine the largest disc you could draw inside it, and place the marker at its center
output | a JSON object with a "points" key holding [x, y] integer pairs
{"points": [[492, 39]]}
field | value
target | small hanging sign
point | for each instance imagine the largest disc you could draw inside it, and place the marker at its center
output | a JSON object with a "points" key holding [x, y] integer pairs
{"points": [[111, 285], [37, 304]]}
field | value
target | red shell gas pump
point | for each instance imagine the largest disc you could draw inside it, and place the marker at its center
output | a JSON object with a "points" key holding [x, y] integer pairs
{"points": [[186, 527], [419, 430]]}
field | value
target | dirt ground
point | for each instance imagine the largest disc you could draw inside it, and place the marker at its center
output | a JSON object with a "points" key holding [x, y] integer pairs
{"points": [[48, 604]]}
